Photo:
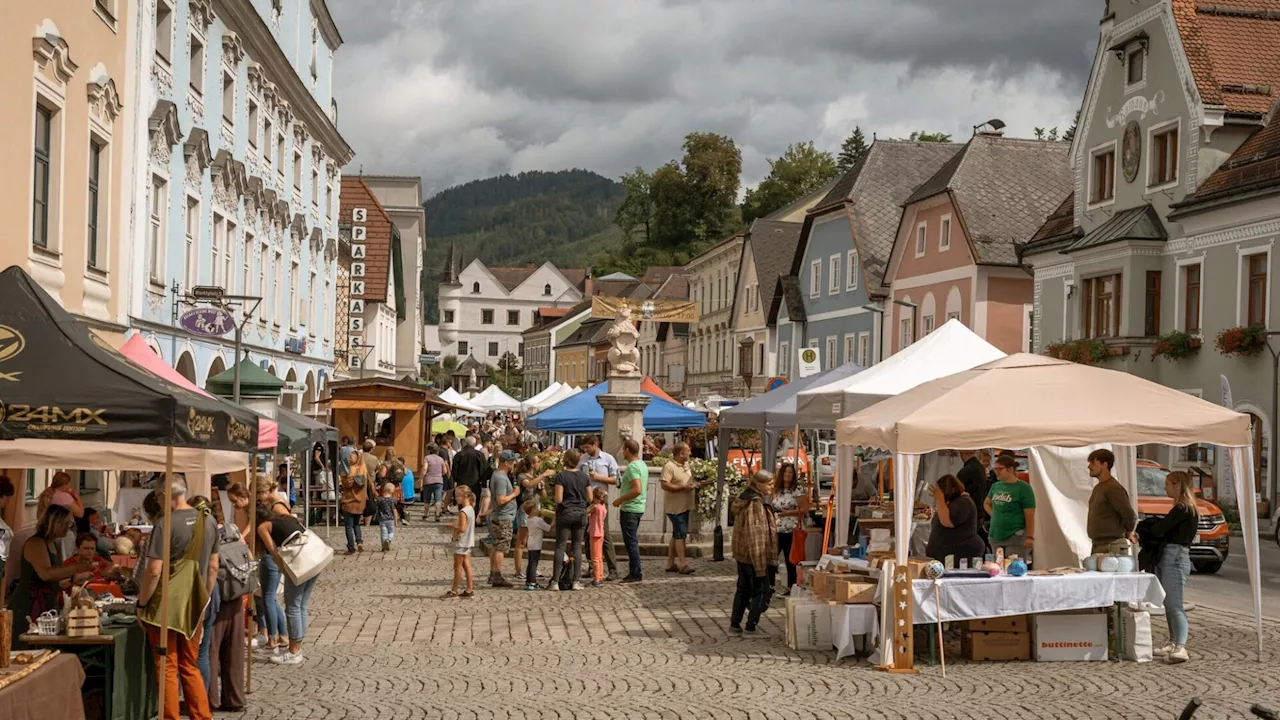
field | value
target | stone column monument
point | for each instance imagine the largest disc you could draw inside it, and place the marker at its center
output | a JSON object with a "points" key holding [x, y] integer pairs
{"points": [[624, 404]]}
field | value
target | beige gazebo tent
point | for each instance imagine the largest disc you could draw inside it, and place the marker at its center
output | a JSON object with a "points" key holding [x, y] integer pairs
{"points": [[1027, 400]]}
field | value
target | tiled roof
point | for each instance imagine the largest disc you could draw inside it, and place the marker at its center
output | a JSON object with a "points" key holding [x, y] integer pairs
{"points": [[1233, 49], [773, 244], [355, 193], [1060, 226], [1253, 167], [1138, 223], [511, 277], [675, 287], [790, 286], [1003, 188], [875, 190]]}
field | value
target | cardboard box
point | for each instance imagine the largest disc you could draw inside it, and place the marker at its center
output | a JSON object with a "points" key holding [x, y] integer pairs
{"points": [[854, 591], [824, 583], [1070, 637], [1011, 624], [808, 625], [999, 646]]}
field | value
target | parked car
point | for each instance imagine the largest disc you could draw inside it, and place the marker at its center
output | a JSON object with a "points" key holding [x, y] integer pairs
{"points": [[826, 463], [1212, 542]]}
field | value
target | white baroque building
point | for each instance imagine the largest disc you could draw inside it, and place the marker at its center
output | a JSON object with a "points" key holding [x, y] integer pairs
{"points": [[237, 183]]}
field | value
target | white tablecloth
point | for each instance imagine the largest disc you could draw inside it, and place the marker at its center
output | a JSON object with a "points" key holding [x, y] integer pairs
{"points": [[975, 598], [848, 623]]}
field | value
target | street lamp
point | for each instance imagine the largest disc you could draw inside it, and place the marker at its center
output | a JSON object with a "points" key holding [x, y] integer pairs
{"points": [[914, 311], [879, 311], [363, 358]]}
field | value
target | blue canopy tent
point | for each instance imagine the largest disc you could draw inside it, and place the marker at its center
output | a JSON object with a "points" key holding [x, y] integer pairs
{"points": [[582, 414]]}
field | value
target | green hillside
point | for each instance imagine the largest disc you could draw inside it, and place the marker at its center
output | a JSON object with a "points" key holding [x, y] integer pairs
{"points": [[565, 217]]}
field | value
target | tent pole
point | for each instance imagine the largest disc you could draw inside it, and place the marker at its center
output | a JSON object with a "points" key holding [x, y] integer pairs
{"points": [[305, 481], [163, 645], [253, 543]]}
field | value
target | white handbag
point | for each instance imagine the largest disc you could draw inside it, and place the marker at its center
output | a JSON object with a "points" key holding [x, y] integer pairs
{"points": [[304, 556]]}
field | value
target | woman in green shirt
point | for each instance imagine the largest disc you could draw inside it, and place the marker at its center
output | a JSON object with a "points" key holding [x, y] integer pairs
{"points": [[633, 486], [1011, 504]]}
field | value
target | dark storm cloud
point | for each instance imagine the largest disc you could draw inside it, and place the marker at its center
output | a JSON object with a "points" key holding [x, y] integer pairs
{"points": [[458, 89]]}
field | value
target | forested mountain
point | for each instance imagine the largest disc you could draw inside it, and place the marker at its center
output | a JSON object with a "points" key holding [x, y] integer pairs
{"points": [[565, 217]]}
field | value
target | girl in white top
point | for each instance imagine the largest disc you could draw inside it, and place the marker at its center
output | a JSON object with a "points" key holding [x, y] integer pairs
{"points": [[464, 537]]}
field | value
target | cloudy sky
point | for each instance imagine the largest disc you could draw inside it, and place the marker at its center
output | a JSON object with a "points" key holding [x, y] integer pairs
{"points": [[454, 90]]}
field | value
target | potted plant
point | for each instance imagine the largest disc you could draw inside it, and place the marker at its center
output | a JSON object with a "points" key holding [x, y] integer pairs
{"points": [[1175, 345], [1086, 352], [1245, 341]]}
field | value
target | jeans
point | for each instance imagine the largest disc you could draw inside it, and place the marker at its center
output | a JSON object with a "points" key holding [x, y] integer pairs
{"points": [[351, 521], [297, 600], [679, 525], [570, 525], [274, 614], [784, 547], [751, 596], [388, 530], [631, 539], [202, 660], [1173, 570]]}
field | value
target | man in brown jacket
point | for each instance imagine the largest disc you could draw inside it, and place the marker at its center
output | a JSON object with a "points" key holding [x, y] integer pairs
{"points": [[755, 548], [355, 489]]}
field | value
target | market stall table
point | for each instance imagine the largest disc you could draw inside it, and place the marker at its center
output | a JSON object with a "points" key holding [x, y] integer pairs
{"points": [[848, 624], [119, 661], [50, 691]]}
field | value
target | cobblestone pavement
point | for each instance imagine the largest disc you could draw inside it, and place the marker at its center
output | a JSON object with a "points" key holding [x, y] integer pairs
{"points": [[383, 645]]}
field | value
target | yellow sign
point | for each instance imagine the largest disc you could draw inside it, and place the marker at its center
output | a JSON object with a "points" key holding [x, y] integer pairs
{"points": [[201, 426], [11, 342], [677, 311]]}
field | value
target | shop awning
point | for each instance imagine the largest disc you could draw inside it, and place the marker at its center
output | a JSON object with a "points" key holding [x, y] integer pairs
{"points": [[373, 404]]}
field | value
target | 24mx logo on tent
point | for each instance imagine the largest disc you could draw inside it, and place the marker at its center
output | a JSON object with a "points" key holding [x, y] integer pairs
{"points": [[11, 345]]}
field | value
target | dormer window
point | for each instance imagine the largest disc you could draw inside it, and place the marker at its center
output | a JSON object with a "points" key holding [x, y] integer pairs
{"points": [[1136, 65], [475, 288]]}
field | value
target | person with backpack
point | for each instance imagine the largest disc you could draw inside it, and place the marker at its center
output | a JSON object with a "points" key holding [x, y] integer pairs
{"points": [[236, 582]]}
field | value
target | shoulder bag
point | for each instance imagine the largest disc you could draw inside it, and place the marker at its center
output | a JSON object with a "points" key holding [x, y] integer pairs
{"points": [[304, 555], [188, 595]]}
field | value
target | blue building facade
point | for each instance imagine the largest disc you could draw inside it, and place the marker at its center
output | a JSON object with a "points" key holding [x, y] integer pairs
{"points": [[236, 185]]}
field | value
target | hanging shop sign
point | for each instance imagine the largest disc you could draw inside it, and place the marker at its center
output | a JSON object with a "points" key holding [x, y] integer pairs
{"points": [[207, 321]]}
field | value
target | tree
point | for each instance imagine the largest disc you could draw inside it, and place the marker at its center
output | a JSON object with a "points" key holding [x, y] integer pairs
{"points": [[922, 136], [636, 212], [508, 375], [800, 170], [852, 151], [712, 168], [1052, 134], [1070, 134], [441, 374]]}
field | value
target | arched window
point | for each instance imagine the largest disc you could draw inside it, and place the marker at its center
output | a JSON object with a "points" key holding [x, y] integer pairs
{"points": [[475, 287], [546, 289]]}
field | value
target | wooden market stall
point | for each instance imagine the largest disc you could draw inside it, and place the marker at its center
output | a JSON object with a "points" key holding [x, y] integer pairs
{"points": [[395, 414]]}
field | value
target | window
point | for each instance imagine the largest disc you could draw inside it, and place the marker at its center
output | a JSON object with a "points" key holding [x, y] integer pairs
{"points": [[953, 315], [864, 349], [293, 295], [263, 259], [219, 228], [309, 305], [41, 189], [921, 245], [546, 289], [513, 317], [1163, 159], [1257, 265], [246, 266], [164, 31], [1101, 305], [1135, 67], [277, 302], [486, 317], [197, 66], [815, 278], [1151, 308], [907, 332], [926, 324], [493, 349], [1104, 175], [190, 260], [328, 202], [944, 234], [94, 208], [834, 279], [784, 358], [315, 187], [297, 170], [475, 288], [832, 358], [850, 347], [280, 154], [156, 238], [1191, 295], [253, 124], [229, 98], [228, 254], [462, 348], [448, 316], [267, 134]]}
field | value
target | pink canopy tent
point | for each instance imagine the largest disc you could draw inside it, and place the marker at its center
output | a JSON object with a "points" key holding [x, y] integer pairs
{"points": [[137, 350]]}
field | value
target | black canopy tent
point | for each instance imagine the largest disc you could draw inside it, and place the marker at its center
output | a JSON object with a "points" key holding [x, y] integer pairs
{"points": [[301, 433], [61, 385]]}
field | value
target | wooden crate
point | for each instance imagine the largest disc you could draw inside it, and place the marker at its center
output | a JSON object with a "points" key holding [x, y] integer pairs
{"points": [[83, 622]]}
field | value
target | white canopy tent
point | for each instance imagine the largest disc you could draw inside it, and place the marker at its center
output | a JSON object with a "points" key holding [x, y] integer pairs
{"points": [[531, 403], [949, 349], [1028, 401], [565, 391], [493, 399], [453, 397]]}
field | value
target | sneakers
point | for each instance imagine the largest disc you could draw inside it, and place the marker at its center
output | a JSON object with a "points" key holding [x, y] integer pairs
{"points": [[287, 658], [359, 547], [1163, 651], [628, 580], [1177, 655], [519, 577], [578, 586], [531, 587], [735, 629], [499, 581], [749, 630], [385, 546], [597, 583]]}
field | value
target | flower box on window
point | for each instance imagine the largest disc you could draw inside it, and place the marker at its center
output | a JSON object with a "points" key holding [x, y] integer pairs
{"points": [[1175, 345], [1244, 341], [1086, 352]]}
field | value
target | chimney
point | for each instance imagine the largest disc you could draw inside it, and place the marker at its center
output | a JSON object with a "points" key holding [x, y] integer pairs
{"points": [[589, 284]]}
